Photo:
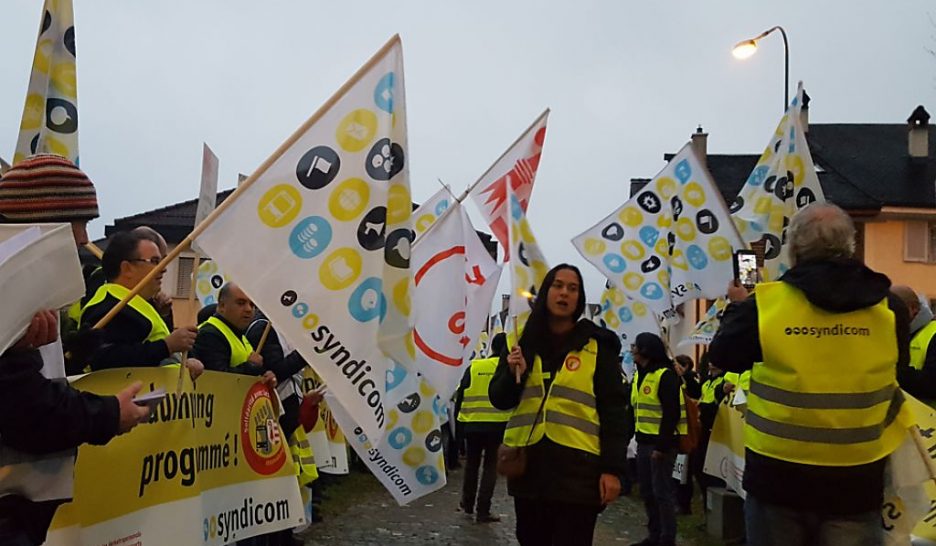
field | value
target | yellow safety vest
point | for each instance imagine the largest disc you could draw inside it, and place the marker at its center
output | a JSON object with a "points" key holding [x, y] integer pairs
{"points": [[240, 347], [476, 405], [571, 415], [303, 457], [920, 343], [647, 409], [709, 388], [158, 328], [826, 393]]}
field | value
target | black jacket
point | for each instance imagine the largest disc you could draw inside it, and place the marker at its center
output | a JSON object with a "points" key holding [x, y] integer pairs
{"points": [[837, 286], [668, 393], [560, 473], [214, 351], [123, 341], [41, 416]]}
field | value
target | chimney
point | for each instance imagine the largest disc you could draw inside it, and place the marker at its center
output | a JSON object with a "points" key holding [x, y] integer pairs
{"points": [[700, 145], [804, 113], [918, 134]]}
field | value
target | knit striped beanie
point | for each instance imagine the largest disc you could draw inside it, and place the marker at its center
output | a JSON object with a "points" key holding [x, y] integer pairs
{"points": [[46, 188]]}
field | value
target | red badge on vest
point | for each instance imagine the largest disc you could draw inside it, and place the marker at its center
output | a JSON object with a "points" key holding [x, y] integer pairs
{"points": [[646, 390], [572, 363]]}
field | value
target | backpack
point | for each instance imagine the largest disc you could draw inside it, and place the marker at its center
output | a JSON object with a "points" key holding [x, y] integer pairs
{"points": [[689, 441]]}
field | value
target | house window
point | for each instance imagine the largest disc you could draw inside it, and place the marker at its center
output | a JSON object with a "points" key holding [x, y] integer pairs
{"points": [[920, 242], [184, 277]]}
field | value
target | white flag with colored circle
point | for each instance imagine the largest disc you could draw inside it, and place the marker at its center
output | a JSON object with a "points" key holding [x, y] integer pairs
{"points": [[625, 316], [704, 330], [528, 267], [670, 243], [431, 210], [514, 171], [783, 181], [50, 117], [208, 282], [320, 238]]}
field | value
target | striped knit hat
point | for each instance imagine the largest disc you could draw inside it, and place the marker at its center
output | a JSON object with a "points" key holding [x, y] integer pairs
{"points": [[46, 188]]}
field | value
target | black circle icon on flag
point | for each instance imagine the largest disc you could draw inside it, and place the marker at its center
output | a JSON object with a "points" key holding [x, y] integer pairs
{"points": [[384, 160], [61, 116], [613, 232], [410, 403], [397, 248], [434, 441], [805, 197], [69, 40], [373, 228], [521, 254], [736, 206], [46, 22], [649, 202], [784, 188], [771, 246], [318, 167], [288, 298], [651, 264], [217, 281], [706, 221], [677, 206]]}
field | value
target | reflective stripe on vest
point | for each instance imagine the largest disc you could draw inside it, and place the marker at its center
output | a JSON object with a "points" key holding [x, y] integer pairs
{"points": [[158, 329], [476, 405], [570, 414], [648, 413], [303, 457], [826, 393], [240, 347], [919, 343]]}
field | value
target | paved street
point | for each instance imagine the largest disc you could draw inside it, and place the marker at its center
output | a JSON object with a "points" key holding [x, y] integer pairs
{"points": [[359, 512]]}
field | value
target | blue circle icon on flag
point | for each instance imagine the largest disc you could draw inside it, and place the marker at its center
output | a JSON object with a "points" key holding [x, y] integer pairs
{"points": [[383, 93], [310, 237]]}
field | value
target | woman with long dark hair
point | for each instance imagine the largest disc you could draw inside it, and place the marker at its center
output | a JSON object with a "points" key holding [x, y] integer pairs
{"points": [[568, 415]]}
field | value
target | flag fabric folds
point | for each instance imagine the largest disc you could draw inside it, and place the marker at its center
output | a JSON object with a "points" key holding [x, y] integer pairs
{"points": [[50, 117], [514, 171], [455, 280], [670, 243], [528, 267], [783, 181], [704, 330], [208, 190], [625, 316], [319, 238]]}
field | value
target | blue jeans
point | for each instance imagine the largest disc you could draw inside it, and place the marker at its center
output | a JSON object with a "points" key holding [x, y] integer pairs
{"points": [[772, 525], [658, 492]]}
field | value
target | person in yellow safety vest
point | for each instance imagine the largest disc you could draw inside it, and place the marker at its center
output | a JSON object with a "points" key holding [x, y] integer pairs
{"points": [[484, 430], [137, 336], [919, 378], [222, 344], [568, 412], [660, 416], [824, 410], [713, 392], [43, 419]]}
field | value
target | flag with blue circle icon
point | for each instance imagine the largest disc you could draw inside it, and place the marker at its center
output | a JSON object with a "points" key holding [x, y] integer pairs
{"points": [[625, 316], [783, 181], [528, 266], [704, 330], [670, 243], [50, 117], [319, 237]]}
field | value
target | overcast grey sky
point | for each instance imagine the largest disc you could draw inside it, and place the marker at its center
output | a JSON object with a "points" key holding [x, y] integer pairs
{"points": [[626, 81]]}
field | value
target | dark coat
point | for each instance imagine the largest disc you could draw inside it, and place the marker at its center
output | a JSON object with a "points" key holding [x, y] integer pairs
{"points": [[214, 351], [836, 286], [41, 416], [559, 473], [122, 343]]}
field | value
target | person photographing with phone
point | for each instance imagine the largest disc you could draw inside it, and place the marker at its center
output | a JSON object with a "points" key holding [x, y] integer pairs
{"points": [[567, 416]]}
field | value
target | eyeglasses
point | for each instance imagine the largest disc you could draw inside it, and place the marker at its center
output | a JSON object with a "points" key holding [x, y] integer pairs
{"points": [[152, 261]]}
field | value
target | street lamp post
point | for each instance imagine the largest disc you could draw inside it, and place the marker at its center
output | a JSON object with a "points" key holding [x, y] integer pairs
{"points": [[746, 48]]}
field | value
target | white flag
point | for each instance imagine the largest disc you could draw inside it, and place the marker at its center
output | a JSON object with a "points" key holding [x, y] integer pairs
{"points": [[783, 181], [320, 238], [704, 330], [528, 267], [626, 316], [431, 210], [455, 280], [514, 171], [670, 243], [208, 190]]}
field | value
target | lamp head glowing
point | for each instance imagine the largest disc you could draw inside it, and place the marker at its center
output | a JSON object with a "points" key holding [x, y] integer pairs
{"points": [[744, 49], [527, 294]]}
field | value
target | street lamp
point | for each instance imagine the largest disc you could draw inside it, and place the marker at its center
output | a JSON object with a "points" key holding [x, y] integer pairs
{"points": [[746, 48]]}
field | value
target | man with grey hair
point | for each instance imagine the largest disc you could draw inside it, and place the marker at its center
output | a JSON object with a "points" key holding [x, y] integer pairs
{"points": [[823, 344]]}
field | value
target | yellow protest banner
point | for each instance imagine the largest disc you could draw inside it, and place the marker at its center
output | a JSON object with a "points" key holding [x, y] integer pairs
{"points": [[329, 444], [210, 467]]}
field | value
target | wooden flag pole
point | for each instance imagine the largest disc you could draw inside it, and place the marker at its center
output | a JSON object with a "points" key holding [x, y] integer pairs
{"points": [[496, 161], [191, 304], [293, 138], [94, 249], [263, 336]]}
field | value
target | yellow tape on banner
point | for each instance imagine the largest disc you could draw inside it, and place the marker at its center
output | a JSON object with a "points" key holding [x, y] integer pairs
{"points": [[222, 431]]}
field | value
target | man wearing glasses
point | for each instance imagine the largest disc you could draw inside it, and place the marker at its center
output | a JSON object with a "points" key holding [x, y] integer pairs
{"points": [[137, 336]]}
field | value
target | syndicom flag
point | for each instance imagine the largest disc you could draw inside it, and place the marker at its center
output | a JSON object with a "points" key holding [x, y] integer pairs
{"points": [[670, 243], [455, 280], [783, 181], [431, 210], [50, 117], [514, 171], [626, 317], [704, 330], [319, 237], [528, 267]]}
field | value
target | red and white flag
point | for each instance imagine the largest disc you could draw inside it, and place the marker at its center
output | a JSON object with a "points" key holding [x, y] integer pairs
{"points": [[517, 167]]}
